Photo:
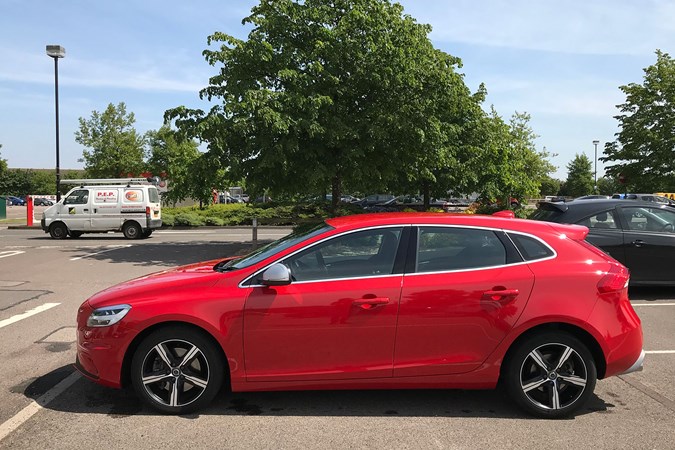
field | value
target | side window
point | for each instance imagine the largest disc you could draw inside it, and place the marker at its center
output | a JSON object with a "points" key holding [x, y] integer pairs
{"points": [[650, 219], [77, 197], [360, 254], [442, 249], [530, 248], [604, 220]]}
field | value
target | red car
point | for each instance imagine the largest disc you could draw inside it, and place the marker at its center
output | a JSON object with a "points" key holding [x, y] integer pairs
{"points": [[377, 301]]}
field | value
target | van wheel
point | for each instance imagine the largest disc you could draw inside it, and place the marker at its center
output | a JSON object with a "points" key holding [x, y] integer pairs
{"points": [[132, 230], [58, 231], [146, 234], [75, 234]]}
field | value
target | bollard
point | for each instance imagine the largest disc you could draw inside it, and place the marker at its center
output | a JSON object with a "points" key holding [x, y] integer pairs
{"points": [[29, 210], [255, 233]]}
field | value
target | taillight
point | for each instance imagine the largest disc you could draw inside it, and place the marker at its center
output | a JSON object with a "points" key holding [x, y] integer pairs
{"points": [[614, 280], [147, 211]]}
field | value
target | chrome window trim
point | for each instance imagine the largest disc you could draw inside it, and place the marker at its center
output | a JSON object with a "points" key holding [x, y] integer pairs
{"points": [[375, 227]]}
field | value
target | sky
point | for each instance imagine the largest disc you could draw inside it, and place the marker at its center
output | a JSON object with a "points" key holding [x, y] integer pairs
{"points": [[561, 62]]}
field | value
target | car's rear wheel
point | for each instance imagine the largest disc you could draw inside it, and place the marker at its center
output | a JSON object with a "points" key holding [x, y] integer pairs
{"points": [[58, 231], [132, 230], [550, 375], [75, 234], [146, 234], [177, 370]]}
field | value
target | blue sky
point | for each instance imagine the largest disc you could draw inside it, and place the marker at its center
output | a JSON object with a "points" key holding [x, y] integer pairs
{"points": [[561, 62]]}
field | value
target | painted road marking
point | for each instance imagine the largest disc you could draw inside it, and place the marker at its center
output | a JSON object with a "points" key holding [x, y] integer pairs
{"points": [[114, 247], [10, 253], [653, 304], [27, 314], [660, 352], [36, 405]]}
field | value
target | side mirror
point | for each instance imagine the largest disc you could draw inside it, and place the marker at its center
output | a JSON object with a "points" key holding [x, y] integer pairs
{"points": [[276, 275]]}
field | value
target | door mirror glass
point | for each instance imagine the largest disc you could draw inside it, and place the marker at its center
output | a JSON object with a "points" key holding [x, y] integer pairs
{"points": [[276, 275]]}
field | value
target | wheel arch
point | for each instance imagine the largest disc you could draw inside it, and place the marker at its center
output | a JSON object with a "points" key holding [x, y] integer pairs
{"points": [[125, 375], [584, 336], [58, 222]]}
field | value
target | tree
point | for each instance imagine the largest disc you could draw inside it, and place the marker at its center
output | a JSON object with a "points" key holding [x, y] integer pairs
{"points": [[3, 165], [549, 186], [172, 157], [331, 93], [644, 150], [609, 186], [116, 149], [579, 177]]}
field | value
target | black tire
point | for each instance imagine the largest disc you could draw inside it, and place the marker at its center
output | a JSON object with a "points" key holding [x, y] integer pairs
{"points": [[58, 230], [75, 234], [146, 234], [167, 382], [132, 230], [550, 375]]}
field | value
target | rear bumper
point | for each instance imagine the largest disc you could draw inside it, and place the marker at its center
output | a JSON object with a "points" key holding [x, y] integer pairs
{"points": [[637, 365], [154, 223]]}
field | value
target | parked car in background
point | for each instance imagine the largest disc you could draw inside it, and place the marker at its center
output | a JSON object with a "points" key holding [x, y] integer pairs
{"points": [[40, 201], [16, 201], [404, 202], [646, 198], [593, 197], [383, 301], [639, 234], [374, 199]]}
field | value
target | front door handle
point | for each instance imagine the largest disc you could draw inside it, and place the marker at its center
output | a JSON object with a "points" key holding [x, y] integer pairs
{"points": [[638, 243], [501, 294], [85, 210], [370, 303]]}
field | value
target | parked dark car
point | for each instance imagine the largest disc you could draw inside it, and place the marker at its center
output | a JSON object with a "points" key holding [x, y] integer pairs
{"points": [[403, 203], [374, 199], [639, 234], [646, 197], [39, 201], [16, 201]]}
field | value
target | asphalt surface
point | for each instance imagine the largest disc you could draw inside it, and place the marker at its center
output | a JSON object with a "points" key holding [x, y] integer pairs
{"points": [[44, 404]]}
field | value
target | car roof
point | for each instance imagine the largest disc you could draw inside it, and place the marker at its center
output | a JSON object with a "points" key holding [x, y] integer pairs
{"points": [[427, 218]]}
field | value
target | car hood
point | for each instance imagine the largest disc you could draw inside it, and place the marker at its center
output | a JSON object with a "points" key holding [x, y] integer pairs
{"points": [[152, 287]]}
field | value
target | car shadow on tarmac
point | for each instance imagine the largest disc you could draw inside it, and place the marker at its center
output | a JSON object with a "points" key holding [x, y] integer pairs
{"points": [[85, 396], [652, 293], [168, 254]]}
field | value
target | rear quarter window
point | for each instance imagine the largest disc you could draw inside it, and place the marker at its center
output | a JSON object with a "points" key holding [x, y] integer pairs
{"points": [[153, 195], [546, 215], [531, 248]]}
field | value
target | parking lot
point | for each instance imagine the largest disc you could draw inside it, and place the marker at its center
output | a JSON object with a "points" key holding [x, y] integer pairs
{"points": [[45, 404]]}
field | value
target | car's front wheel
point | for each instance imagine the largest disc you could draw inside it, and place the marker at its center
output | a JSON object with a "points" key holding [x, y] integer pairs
{"points": [[177, 370], [58, 230], [550, 375]]}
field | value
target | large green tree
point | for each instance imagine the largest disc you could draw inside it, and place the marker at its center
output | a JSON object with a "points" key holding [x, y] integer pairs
{"points": [[113, 147], [644, 150], [173, 157], [579, 177], [331, 93]]}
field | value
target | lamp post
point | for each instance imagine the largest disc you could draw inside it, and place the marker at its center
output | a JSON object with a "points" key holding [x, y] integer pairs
{"points": [[56, 52], [595, 173]]}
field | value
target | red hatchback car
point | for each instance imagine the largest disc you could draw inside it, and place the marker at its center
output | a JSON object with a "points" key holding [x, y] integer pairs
{"points": [[378, 301]]}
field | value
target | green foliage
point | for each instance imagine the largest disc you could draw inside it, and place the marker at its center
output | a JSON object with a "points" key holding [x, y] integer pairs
{"points": [[609, 186], [644, 150], [113, 148], [325, 95], [550, 186], [579, 177]]}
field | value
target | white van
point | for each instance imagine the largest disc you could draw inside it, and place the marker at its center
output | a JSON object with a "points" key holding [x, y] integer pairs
{"points": [[130, 205]]}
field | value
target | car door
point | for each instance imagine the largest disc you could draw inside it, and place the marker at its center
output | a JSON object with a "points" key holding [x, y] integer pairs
{"points": [[106, 209], [461, 299], [336, 319], [649, 237], [76, 210], [605, 232]]}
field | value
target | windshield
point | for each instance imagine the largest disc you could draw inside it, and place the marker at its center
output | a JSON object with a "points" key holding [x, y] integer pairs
{"points": [[272, 248]]}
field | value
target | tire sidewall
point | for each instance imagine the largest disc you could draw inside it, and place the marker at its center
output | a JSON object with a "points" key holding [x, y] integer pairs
{"points": [[213, 356], [514, 363], [132, 230], [55, 234]]}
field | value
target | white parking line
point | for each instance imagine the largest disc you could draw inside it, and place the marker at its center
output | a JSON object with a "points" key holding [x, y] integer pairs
{"points": [[660, 352], [30, 312], [36, 405], [114, 247], [653, 304], [10, 253]]}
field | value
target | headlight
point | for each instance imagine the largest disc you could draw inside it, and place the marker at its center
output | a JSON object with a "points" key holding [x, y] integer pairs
{"points": [[110, 315]]}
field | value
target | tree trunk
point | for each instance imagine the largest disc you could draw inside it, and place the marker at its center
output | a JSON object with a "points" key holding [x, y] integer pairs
{"points": [[425, 194]]}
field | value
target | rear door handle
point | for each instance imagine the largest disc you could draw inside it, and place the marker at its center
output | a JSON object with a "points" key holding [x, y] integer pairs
{"points": [[501, 295], [370, 303], [638, 243]]}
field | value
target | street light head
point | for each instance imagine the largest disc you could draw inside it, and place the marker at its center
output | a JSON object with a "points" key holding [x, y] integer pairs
{"points": [[596, 142], [56, 51]]}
